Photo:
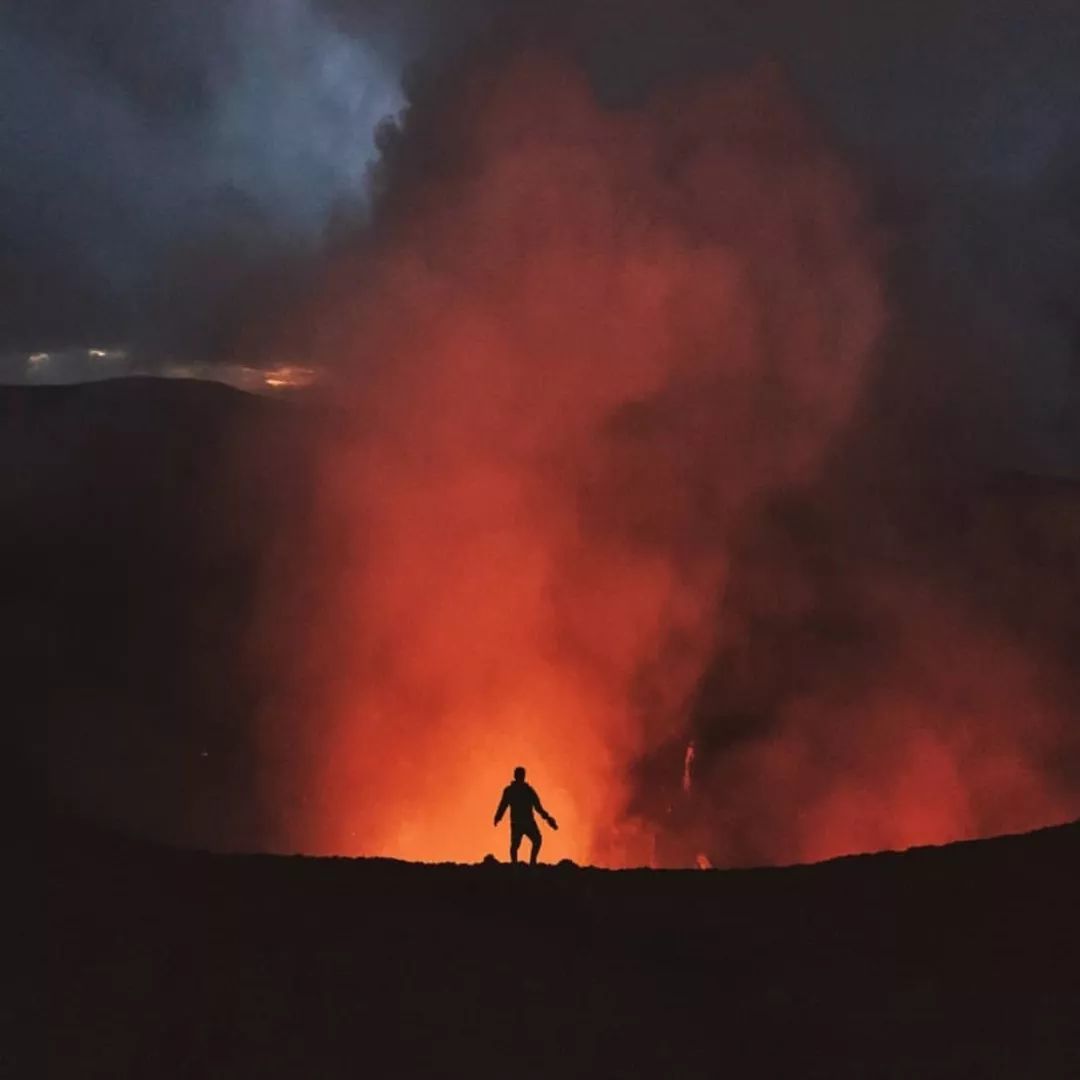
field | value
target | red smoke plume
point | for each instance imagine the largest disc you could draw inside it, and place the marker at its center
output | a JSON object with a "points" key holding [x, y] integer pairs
{"points": [[585, 341], [953, 733]]}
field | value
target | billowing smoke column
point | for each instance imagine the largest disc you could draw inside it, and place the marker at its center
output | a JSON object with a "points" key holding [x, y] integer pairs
{"points": [[947, 730], [585, 342]]}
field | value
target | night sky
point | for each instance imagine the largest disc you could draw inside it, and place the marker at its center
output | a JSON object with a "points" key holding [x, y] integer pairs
{"points": [[167, 167]]}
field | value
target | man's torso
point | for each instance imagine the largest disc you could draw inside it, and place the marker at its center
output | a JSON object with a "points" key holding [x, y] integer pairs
{"points": [[521, 799]]}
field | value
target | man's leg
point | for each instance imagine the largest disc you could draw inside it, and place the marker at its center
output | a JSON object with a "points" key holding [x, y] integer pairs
{"points": [[537, 840], [515, 843]]}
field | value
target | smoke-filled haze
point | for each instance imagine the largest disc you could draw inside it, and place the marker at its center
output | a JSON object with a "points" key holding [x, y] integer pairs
{"points": [[671, 364]]}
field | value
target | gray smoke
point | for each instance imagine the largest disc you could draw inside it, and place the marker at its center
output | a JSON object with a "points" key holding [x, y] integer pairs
{"points": [[164, 162], [171, 174]]}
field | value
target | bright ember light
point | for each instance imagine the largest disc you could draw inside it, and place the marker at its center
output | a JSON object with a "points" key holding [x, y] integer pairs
{"points": [[288, 377], [458, 826], [688, 767]]}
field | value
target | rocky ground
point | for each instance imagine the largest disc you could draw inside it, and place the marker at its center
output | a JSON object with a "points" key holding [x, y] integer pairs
{"points": [[958, 961]]}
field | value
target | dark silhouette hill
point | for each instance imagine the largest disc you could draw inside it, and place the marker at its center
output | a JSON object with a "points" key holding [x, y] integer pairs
{"points": [[960, 961], [135, 514]]}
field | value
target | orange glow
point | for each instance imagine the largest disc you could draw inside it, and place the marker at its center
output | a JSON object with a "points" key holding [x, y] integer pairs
{"points": [[580, 346], [288, 377], [956, 736]]}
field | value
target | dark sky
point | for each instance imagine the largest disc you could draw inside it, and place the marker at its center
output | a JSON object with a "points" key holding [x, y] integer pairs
{"points": [[164, 166]]}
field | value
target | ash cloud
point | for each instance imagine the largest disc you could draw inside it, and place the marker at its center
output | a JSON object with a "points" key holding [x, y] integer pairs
{"points": [[774, 590], [171, 174], [587, 341], [169, 169]]}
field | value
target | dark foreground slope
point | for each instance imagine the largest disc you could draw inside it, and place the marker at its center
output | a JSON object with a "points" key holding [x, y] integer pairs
{"points": [[955, 961]]}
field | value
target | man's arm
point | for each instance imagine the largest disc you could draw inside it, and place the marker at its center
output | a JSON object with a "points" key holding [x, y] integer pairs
{"points": [[503, 804], [542, 812]]}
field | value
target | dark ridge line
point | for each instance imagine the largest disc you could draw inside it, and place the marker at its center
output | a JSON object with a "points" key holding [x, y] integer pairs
{"points": [[133, 382], [89, 837]]}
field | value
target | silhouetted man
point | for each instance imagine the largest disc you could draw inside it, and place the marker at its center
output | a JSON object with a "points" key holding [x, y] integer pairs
{"points": [[522, 801]]}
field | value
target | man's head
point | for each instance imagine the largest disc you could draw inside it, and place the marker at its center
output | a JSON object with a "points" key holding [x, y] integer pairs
{"points": [[519, 773]]}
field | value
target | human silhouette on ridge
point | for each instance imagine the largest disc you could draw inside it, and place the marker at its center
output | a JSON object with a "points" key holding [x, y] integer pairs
{"points": [[521, 799]]}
